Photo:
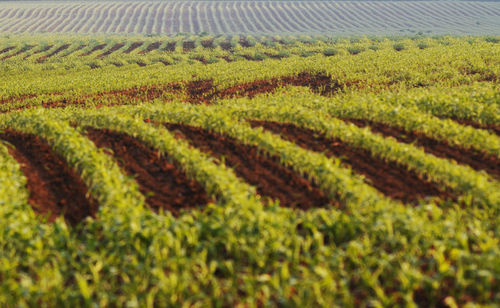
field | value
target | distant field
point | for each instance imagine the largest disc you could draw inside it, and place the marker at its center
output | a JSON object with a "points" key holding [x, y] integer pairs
{"points": [[246, 17]]}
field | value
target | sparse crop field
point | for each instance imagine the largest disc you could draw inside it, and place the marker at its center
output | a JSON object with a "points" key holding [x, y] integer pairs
{"points": [[249, 171], [253, 17]]}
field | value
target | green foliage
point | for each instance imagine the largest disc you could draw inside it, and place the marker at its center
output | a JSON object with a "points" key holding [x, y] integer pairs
{"points": [[399, 46], [238, 250], [355, 50], [330, 52]]}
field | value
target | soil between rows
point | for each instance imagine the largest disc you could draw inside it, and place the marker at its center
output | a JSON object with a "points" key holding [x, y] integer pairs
{"points": [[391, 179], [163, 185], [475, 159], [55, 52], [111, 50], [203, 91], [265, 173], [54, 187], [492, 127], [112, 98]]}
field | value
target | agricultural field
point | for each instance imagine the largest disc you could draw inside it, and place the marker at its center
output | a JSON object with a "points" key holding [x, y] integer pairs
{"points": [[253, 17], [249, 171]]}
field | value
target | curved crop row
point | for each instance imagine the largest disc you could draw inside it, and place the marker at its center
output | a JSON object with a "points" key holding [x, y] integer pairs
{"points": [[116, 194], [218, 180], [337, 181], [462, 179], [406, 118], [479, 103]]}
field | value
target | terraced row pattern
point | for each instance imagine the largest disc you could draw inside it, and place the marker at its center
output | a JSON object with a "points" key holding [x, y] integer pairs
{"points": [[312, 182], [49, 52], [262, 17]]}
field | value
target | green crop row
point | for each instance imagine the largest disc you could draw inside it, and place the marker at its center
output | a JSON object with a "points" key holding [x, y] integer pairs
{"points": [[479, 187], [454, 64], [479, 103], [217, 180], [407, 118], [114, 192], [256, 255], [371, 251], [381, 245]]}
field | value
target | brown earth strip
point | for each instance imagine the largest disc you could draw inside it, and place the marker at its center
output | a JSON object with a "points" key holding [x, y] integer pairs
{"points": [[133, 47], [265, 173], [54, 187], [492, 127], [208, 44], [244, 42], [151, 47], [113, 98], [7, 49], [77, 49], [203, 91], [96, 48], [226, 46], [170, 46], [198, 91], [391, 179], [144, 93], [44, 49], [55, 52], [164, 186], [475, 159], [188, 45], [24, 49], [111, 50], [16, 99], [274, 56]]}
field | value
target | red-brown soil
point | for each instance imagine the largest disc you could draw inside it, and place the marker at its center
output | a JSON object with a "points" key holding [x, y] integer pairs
{"points": [[44, 49], [164, 186], [203, 91], [475, 159], [226, 46], [170, 46], [198, 91], [16, 99], [114, 98], [55, 52], [111, 50], [492, 127], [208, 44], [26, 48], [133, 47], [274, 56], [244, 42], [391, 179], [188, 45], [226, 58], [151, 47], [7, 49], [96, 48], [265, 173], [77, 49], [54, 187]]}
